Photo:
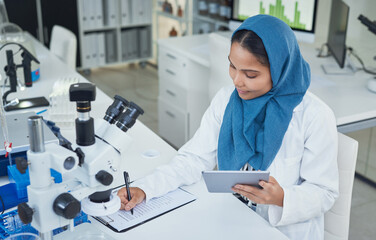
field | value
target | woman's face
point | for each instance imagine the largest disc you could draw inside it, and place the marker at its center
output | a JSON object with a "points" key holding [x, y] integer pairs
{"points": [[251, 78]]}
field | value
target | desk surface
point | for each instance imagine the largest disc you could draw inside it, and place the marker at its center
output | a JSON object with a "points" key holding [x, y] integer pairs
{"points": [[211, 216]]}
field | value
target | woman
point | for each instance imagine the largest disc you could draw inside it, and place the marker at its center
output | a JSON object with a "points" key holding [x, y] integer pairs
{"points": [[268, 122]]}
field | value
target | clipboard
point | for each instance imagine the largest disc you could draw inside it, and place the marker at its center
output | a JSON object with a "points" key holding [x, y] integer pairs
{"points": [[223, 181], [123, 221]]}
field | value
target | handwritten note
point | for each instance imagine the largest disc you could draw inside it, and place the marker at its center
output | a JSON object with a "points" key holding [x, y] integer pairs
{"points": [[143, 212]]}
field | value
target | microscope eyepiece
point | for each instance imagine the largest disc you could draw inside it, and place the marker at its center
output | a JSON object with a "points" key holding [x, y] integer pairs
{"points": [[128, 118], [116, 108]]}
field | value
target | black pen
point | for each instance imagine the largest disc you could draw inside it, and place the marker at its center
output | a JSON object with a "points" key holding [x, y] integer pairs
{"points": [[126, 179]]}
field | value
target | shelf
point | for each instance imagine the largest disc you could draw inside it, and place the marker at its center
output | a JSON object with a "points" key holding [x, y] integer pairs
{"points": [[211, 20], [99, 29], [136, 25], [169, 15]]}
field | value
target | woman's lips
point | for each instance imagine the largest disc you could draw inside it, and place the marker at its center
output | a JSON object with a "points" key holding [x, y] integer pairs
{"points": [[241, 92]]}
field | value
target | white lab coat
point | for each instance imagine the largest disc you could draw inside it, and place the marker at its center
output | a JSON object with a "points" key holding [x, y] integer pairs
{"points": [[305, 166]]}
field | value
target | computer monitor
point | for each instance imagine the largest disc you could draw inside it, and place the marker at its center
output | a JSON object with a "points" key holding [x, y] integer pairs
{"points": [[337, 31], [300, 15]]}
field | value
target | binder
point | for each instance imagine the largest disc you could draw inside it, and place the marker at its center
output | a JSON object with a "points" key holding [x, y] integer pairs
{"points": [[134, 43], [98, 11], [86, 61], [111, 47], [135, 9], [125, 12], [144, 40], [83, 15], [147, 6], [124, 45], [109, 12], [101, 49], [93, 49], [90, 11]]}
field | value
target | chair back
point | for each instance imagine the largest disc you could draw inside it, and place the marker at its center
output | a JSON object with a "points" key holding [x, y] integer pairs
{"points": [[64, 45], [337, 219]]}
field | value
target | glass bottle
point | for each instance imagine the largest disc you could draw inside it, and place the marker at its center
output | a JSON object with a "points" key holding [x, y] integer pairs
{"points": [[180, 11], [173, 32], [203, 7], [214, 9]]}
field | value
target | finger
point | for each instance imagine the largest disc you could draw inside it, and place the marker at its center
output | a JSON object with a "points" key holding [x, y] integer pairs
{"points": [[266, 185], [250, 196], [122, 193], [137, 196], [248, 188]]}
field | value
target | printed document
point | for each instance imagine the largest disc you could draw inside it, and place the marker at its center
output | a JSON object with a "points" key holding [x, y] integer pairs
{"points": [[123, 220]]}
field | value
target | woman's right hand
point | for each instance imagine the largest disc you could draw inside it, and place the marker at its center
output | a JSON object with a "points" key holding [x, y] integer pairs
{"points": [[137, 196]]}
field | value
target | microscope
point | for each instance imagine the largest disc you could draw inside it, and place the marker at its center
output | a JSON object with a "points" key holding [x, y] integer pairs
{"points": [[88, 171]]}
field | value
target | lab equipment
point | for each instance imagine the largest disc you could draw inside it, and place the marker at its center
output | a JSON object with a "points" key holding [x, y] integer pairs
{"points": [[61, 110], [88, 170], [12, 227], [11, 72], [17, 134], [12, 33], [371, 25]]}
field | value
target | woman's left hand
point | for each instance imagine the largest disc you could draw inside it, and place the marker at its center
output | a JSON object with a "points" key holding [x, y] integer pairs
{"points": [[271, 192]]}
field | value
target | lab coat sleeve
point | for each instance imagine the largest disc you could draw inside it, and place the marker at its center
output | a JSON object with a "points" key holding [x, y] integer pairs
{"points": [[197, 155], [318, 189]]}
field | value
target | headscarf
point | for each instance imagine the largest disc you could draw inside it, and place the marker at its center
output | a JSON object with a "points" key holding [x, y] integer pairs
{"points": [[252, 130]]}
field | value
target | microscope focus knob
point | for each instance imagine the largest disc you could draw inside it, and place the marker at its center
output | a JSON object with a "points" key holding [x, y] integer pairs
{"points": [[104, 177], [67, 206], [25, 212]]}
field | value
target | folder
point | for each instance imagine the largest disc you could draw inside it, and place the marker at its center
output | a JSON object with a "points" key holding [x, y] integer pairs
{"points": [[93, 49], [144, 40], [101, 49], [111, 47], [86, 60], [125, 12], [109, 12], [98, 11], [83, 15], [134, 43]]}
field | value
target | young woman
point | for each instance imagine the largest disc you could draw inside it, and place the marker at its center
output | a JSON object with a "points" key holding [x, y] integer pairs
{"points": [[266, 121]]}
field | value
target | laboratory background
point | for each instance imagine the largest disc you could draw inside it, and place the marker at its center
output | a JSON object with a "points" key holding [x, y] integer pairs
{"points": [[95, 89]]}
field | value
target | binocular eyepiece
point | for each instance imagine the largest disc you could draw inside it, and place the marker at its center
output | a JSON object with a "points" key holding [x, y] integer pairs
{"points": [[123, 113]]}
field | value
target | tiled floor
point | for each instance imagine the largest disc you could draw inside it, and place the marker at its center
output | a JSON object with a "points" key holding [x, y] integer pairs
{"points": [[141, 86]]}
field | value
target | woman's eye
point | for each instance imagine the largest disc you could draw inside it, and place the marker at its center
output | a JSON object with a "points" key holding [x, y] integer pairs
{"points": [[251, 76]]}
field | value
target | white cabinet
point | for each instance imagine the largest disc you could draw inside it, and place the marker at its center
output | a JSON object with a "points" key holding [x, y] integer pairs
{"points": [[114, 31], [183, 91]]}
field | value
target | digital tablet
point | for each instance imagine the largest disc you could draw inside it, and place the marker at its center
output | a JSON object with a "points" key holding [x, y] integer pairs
{"points": [[223, 181]]}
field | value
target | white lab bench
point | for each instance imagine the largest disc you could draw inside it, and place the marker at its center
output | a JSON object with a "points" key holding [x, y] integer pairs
{"points": [[211, 216], [352, 103]]}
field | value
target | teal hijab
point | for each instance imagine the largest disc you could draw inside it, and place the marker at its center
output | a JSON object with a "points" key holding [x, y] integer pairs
{"points": [[252, 130]]}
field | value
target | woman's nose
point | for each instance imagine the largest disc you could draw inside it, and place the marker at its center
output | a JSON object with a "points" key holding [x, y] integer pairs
{"points": [[237, 80]]}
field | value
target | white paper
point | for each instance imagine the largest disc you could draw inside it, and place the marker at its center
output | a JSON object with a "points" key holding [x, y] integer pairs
{"points": [[124, 219]]}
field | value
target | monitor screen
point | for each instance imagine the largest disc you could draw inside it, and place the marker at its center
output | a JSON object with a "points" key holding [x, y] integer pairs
{"points": [[298, 14], [337, 31]]}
